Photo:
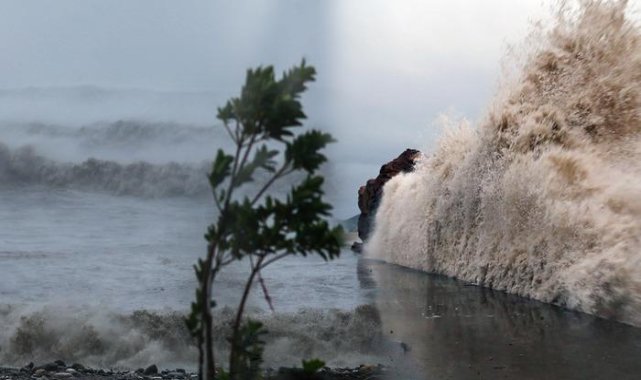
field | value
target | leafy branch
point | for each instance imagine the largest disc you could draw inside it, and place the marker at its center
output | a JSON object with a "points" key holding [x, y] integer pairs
{"points": [[262, 227]]}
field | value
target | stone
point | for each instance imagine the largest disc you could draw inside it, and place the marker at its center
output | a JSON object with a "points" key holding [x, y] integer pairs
{"points": [[369, 195], [151, 370], [78, 367], [39, 372], [60, 363], [48, 367], [62, 375]]}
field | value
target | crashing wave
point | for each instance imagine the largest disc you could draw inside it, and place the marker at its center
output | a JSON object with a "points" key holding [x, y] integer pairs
{"points": [[108, 340], [24, 166], [543, 199]]}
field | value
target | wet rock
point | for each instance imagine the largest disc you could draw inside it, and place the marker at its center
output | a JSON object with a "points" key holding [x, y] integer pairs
{"points": [[364, 372], [27, 368], [357, 247], [78, 367], [48, 367], [39, 372], [369, 195], [60, 363], [151, 370]]}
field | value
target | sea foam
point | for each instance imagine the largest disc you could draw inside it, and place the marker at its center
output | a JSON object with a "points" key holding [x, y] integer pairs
{"points": [[543, 197]]}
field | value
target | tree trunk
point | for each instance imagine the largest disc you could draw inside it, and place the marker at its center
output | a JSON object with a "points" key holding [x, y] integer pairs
{"points": [[208, 365]]}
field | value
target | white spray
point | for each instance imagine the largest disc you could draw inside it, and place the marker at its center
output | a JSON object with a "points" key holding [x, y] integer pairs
{"points": [[543, 199]]}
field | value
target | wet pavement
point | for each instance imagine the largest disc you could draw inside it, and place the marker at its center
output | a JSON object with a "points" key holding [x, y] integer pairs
{"points": [[447, 329]]}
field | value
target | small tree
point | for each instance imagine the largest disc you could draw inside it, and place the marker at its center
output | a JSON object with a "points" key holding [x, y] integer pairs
{"points": [[260, 227]]}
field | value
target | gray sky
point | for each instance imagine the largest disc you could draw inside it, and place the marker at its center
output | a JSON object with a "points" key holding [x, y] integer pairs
{"points": [[386, 68], [206, 44]]}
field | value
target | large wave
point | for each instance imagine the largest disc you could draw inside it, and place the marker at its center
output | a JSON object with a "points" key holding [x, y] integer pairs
{"points": [[108, 340], [543, 199], [24, 166], [127, 133]]}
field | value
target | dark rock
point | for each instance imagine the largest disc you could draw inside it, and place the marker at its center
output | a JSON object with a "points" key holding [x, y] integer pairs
{"points": [[294, 374], [140, 370], [78, 367], [39, 372], [27, 368], [180, 370], [369, 196], [151, 370], [60, 363], [48, 367], [357, 247]]}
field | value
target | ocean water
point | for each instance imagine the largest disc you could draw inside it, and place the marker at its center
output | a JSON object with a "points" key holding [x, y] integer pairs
{"points": [[100, 226], [105, 280], [76, 248]]}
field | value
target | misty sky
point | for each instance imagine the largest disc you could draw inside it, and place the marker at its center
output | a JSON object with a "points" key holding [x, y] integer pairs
{"points": [[386, 69], [205, 44]]}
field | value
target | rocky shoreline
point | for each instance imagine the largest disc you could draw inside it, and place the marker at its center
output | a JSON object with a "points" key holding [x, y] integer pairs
{"points": [[370, 194], [60, 370]]}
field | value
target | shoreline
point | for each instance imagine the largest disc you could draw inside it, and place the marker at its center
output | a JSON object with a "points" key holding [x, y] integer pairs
{"points": [[59, 370]]}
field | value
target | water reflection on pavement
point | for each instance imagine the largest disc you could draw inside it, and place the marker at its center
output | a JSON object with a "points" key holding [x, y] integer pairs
{"points": [[446, 329]]}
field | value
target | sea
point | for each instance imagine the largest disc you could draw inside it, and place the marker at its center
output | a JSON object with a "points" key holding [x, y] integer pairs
{"points": [[512, 251]]}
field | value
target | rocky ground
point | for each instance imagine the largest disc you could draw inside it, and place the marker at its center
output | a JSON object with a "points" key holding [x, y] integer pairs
{"points": [[60, 370]]}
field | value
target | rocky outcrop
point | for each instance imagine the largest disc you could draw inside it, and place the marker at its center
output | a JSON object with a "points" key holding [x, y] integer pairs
{"points": [[369, 196]]}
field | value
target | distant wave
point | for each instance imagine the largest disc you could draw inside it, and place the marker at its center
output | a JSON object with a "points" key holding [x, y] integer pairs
{"points": [[121, 133], [107, 340], [544, 198], [23, 166]]}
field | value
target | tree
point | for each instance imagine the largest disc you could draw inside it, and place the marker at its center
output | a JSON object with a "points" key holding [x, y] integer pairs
{"points": [[261, 228]]}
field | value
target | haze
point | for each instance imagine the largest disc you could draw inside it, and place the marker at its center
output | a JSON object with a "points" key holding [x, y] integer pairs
{"points": [[386, 69]]}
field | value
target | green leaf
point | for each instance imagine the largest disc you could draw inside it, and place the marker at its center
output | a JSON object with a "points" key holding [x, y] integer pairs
{"points": [[226, 113], [267, 107], [220, 169], [263, 159], [250, 346], [304, 151], [221, 374], [312, 366]]}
